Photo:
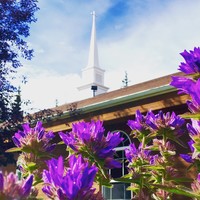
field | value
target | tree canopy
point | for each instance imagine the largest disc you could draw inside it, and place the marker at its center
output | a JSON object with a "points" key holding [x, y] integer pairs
{"points": [[15, 18]]}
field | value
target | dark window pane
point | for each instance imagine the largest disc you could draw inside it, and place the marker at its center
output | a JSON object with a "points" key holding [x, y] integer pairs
{"points": [[128, 192], [116, 173], [126, 142], [118, 191], [118, 154], [106, 193], [125, 170]]}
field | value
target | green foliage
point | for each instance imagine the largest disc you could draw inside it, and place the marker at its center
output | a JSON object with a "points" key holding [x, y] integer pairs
{"points": [[15, 18]]}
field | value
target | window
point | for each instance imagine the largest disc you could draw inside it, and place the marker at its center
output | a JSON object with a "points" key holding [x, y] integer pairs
{"points": [[119, 192]]}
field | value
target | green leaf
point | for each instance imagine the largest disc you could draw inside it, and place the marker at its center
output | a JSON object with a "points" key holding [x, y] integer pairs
{"points": [[61, 142], [31, 166], [191, 115], [45, 155], [128, 180], [170, 135], [127, 176], [180, 180], [27, 149], [154, 167], [14, 149], [37, 182], [181, 190], [133, 189], [106, 184]]}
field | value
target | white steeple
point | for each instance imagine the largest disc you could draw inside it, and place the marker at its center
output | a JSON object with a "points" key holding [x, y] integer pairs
{"points": [[92, 74], [93, 59]]}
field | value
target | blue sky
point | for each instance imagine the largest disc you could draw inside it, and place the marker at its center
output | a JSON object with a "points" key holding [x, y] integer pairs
{"points": [[142, 37]]}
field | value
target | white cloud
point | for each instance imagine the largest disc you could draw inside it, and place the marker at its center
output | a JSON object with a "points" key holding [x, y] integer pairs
{"points": [[44, 88], [151, 49], [145, 42]]}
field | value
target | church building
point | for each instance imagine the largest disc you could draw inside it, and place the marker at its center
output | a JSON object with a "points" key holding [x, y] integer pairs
{"points": [[115, 108]]}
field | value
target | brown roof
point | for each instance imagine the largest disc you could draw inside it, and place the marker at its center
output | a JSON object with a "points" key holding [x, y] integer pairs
{"points": [[119, 104], [161, 81]]}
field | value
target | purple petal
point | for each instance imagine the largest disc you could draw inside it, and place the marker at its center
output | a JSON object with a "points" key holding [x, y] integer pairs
{"points": [[61, 194], [198, 177], [46, 176], [64, 137], [192, 61], [186, 85], [27, 186], [153, 159], [113, 139], [128, 155], [21, 134], [110, 163], [195, 93], [50, 135], [60, 166], [16, 141], [47, 191], [40, 135], [69, 140], [193, 107], [139, 116], [18, 135], [26, 128], [38, 126], [1, 181], [192, 129], [190, 143], [50, 147], [187, 158], [135, 125], [88, 176]]}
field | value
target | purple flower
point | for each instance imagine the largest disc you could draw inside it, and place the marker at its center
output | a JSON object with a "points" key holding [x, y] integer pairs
{"points": [[194, 128], [163, 147], [12, 188], [139, 123], [194, 132], [196, 185], [194, 143], [190, 87], [157, 123], [187, 158], [137, 156], [156, 159], [184, 84], [74, 182], [195, 94], [162, 121], [193, 106], [192, 62], [89, 139], [35, 139]]}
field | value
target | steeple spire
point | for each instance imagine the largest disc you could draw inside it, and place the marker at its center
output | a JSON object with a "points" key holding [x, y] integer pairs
{"points": [[92, 74], [93, 59]]}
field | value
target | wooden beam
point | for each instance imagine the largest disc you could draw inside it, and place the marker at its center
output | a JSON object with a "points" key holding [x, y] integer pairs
{"points": [[121, 113]]}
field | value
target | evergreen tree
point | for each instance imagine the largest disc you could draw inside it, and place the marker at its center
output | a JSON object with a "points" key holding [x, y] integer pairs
{"points": [[11, 118], [16, 110], [5, 134], [15, 18], [3, 108]]}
